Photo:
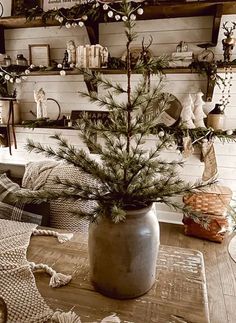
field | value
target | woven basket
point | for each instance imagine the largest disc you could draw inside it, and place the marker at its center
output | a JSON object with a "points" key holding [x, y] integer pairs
{"points": [[217, 228], [212, 201]]}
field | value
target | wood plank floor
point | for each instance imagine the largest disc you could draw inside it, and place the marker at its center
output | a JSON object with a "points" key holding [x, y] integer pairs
{"points": [[220, 270]]}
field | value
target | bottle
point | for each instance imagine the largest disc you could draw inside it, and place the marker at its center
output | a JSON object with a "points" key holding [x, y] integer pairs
{"points": [[216, 118], [21, 60], [7, 60]]}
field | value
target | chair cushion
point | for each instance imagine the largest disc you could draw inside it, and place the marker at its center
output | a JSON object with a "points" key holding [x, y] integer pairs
{"points": [[17, 211]]}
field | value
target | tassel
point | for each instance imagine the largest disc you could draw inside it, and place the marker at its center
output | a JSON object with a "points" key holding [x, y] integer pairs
{"points": [[57, 279], [111, 319], [69, 317], [62, 237]]}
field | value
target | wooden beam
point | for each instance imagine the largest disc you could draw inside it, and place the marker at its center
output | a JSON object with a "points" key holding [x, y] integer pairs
{"points": [[93, 33], [2, 40], [216, 23]]}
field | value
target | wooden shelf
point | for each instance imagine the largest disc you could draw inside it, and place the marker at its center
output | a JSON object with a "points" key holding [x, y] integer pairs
{"points": [[181, 70], [170, 9]]}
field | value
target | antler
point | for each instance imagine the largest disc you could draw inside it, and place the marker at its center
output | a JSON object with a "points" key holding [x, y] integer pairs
{"points": [[228, 29]]}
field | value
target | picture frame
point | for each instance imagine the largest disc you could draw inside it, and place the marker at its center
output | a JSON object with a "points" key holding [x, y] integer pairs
{"points": [[5, 8], [39, 54], [19, 6], [49, 4]]}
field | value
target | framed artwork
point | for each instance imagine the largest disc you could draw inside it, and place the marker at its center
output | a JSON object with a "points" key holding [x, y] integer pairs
{"points": [[39, 54], [5, 8], [19, 6], [49, 4]]}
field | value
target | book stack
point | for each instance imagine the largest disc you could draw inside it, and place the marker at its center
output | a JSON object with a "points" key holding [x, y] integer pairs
{"points": [[181, 59], [91, 56]]}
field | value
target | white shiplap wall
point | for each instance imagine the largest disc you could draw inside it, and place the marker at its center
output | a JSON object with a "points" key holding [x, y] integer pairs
{"points": [[166, 33]]}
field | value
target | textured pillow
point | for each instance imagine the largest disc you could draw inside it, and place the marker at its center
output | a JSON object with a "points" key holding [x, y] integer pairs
{"points": [[10, 212], [19, 211], [40, 175]]}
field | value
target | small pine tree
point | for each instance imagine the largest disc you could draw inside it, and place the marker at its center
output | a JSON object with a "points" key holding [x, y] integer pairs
{"points": [[129, 175]]}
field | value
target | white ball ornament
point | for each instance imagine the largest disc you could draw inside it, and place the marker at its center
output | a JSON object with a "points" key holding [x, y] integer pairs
{"points": [[72, 65], [140, 11], [84, 17], [27, 72], [7, 77], [67, 25], [117, 17], [81, 24], [229, 132], [161, 134], [110, 14], [59, 65], [60, 20], [105, 7], [124, 18], [11, 80], [32, 66], [74, 24], [62, 73], [132, 17], [18, 80]]}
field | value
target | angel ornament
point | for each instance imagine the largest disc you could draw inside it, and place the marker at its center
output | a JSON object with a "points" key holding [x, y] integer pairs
{"points": [[40, 99], [198, 110], [187, 115], [71, 50]]}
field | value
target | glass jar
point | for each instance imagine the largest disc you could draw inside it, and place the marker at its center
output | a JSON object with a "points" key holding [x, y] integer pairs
{"points": [[21, 60], [7, 60]]}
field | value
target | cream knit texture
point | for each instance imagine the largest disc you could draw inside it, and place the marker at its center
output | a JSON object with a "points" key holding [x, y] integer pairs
{"points": [[17, 282]]}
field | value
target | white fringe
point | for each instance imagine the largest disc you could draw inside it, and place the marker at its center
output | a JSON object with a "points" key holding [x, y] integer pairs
{"points": [[62, 237], [57, 279], [70, 317], [111, 319]]}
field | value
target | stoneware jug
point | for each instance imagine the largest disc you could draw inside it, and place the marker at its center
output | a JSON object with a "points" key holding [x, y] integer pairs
{"points": [[122, 256]]}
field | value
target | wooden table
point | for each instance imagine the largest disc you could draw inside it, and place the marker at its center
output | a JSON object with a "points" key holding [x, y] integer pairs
{"points": [[178, 296]]}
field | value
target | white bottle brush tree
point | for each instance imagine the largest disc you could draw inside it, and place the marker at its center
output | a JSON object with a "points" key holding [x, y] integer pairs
{"points": [[129, 175]]}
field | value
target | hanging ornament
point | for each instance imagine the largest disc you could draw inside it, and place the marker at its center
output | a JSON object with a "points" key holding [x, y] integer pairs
{"points": [[228, 46], [209, 159], [187, 147]]}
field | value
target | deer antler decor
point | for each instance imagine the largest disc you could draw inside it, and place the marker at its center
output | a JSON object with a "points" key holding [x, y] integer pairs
{"points": [[228, 42]]}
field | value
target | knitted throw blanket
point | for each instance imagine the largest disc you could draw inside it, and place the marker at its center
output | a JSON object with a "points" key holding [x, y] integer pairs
{"points": [[17, 284]]}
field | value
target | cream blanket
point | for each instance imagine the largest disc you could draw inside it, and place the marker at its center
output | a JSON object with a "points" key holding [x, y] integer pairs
{"points": [[17, 283]]}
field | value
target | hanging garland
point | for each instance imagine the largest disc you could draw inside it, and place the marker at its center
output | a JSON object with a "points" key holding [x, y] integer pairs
{"points": [[91, 11]]}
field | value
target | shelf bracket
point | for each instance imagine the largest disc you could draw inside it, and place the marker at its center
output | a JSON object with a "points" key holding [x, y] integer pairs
{"points": [[210, 89], [216, 24], [93, 33], [91, 82]]}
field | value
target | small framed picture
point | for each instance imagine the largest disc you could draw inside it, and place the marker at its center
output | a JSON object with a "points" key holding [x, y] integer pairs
{"points": [[19, 6], [49, 4], [39, 54]]}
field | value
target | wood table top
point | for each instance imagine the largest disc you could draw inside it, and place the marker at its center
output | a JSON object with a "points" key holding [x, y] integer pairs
{"points": [[179, 294]]}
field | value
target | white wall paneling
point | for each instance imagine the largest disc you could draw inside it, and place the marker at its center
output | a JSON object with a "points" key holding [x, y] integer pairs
{"points": [[166, 33]]}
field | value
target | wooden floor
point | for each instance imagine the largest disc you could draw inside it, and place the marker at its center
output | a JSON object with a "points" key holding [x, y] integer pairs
{"points": [[220, 271]]}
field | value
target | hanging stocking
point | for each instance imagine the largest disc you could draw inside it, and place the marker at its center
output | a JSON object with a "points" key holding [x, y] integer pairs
{"points": [[209, 159], [187, 147]]}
